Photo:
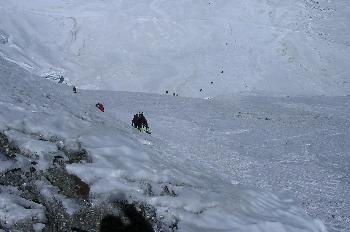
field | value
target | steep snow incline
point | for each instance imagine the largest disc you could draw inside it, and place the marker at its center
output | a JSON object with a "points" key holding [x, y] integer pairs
{"points": [[133, 166], [298, 145], [289, 47]]}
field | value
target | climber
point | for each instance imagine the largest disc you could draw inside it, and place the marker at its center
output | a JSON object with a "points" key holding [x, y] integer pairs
{"points": [[100, 107]]}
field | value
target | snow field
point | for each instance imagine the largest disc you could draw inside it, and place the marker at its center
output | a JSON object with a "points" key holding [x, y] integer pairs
{"points": [[290, 47], [180, 183]]}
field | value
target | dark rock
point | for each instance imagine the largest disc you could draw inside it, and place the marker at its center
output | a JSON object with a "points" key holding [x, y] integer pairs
{"points": [[32, 169], [8, 148], [134, 221], [167, 192], [76, 156], [33, 163], [13, 177], [69, 184]]}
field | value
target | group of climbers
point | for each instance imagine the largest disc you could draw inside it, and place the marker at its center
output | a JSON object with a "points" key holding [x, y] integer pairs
{"points": [[174, 94], [139, 121]]}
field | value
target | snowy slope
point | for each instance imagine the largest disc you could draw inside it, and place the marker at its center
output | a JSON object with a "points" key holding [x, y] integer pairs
{"points": [[270, 46], [294, 145], [233, 163], [40, 117]]}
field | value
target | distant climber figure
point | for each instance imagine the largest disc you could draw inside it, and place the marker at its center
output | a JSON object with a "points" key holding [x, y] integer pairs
{"points": [[222, 71], [100, 107], [143, 121], [200, 90], [167, 92], [74, 89], [136, 122], [174, 94]]}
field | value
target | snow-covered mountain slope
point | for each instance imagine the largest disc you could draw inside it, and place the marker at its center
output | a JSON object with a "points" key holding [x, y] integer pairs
{"points": [[294, 145], [202, 184], [289, 47]]}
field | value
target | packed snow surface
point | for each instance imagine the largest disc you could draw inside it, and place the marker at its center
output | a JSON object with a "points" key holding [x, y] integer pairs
{"points": [[290, 46], [226, 162], [223, 172]]}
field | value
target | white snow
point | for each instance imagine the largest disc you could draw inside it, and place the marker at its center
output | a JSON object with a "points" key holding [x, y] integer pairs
{"points": [[263, 150], [36, 149], [14, 208], [284, 47], [221, 181], [38, 227]]}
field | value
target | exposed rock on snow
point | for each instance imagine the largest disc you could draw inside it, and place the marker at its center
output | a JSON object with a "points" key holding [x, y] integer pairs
{"points": [[69, 184], [51, 213], [6, 147]]}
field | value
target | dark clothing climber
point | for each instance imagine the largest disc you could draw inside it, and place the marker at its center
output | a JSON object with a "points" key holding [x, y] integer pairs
{"points": [[143, 121], [135, 121]]}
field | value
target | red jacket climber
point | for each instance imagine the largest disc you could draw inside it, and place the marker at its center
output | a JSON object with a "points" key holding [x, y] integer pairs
{"points": [[100, 107]]}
